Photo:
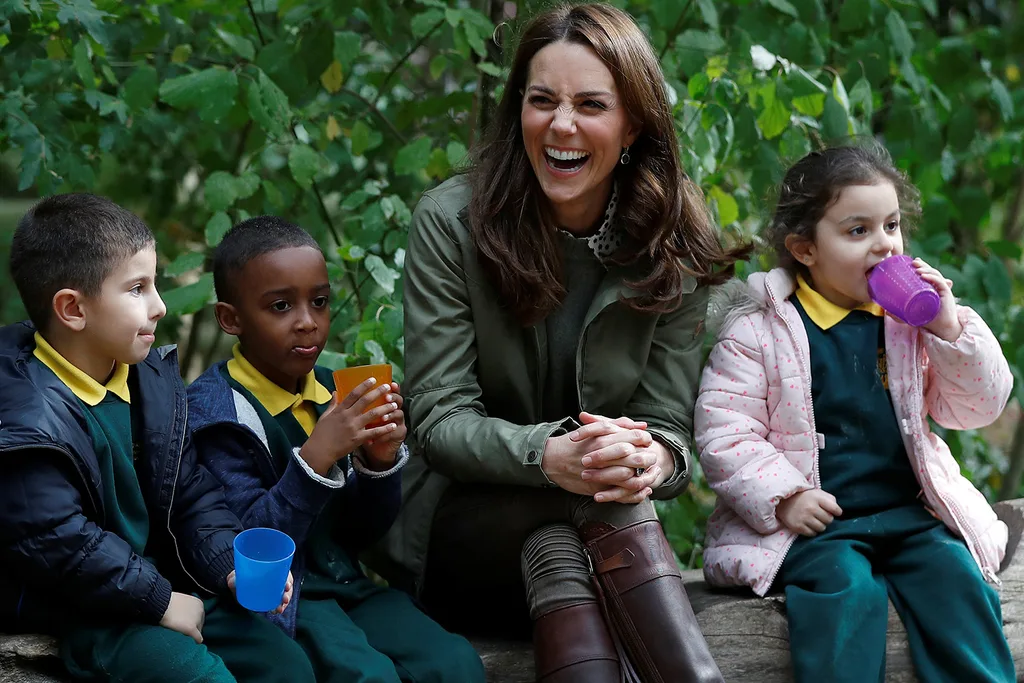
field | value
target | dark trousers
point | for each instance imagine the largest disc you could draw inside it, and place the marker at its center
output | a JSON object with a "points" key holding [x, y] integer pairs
{"points": [[361, 633], [837, 589], [474, 580], [237, 646]]}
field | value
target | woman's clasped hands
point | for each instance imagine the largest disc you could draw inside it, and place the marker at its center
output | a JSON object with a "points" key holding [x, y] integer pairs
{"points": [[613, 460]]}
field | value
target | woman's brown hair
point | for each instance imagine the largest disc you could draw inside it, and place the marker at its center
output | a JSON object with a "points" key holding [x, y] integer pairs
{"points": [[668, 228]]}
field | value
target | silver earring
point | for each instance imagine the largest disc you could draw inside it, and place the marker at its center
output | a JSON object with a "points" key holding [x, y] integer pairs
{"points": [[624, 159]]}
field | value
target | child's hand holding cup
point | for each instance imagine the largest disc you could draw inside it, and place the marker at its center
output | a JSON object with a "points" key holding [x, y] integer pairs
{"points": [[380, 451]]}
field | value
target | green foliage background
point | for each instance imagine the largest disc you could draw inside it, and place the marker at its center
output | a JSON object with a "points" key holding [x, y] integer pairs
{"points": [[338, 114]]}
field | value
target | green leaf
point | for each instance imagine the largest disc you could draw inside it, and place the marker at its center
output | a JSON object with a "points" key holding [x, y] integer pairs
{"points": [[304, 163], [997, 282], [220, 191], [774, 118], [346, 46], [354, 200], [1006, 249], [708, 13], [438, 65], [212, 91], [376, 351], [268, 105], [217, 227], [839, 92], [316, 49], [456, 152], [694, 47], [438, 166], [784, 7], [899, 34], [140, 88], [728, 209], [854, 15], [860, 96], [489, 68], [190, 298], [247, 184], [242, 46], [424, 21], [181, 53], [794, 144], [835, 124], [83, 64], [85, 13], [1003, 99], [190, 260], [332, 360], [698, 85], [352, 252], [382, 275], [360, 137], [413, 158]]}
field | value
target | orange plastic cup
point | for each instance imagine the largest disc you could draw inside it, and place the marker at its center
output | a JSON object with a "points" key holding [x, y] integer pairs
{"points": [[347, 379]]}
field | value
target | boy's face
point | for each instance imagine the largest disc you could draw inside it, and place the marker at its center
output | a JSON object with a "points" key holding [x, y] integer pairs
{"points": [[281, 314], [120, 321]]}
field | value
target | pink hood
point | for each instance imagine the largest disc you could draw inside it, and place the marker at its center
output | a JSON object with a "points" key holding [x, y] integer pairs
{"points": [[754, 427]]}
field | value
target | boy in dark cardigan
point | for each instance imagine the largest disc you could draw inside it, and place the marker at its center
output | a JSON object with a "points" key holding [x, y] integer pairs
{"points": [[294, 457]]}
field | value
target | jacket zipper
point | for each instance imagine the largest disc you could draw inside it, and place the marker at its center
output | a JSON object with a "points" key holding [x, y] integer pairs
{"points": [[951, 507], [60, 449], [170, 504], [816, 477]]}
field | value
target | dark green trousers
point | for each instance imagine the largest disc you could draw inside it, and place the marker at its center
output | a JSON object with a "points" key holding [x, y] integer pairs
{"points": [[237, 646], [837, 589], [358, 632]]}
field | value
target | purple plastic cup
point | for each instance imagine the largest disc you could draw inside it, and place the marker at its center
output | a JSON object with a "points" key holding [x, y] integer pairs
{"points": [[895, 286]]}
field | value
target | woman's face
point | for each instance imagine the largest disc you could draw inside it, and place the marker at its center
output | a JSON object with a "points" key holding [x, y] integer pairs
{"points": [[574, 129]]}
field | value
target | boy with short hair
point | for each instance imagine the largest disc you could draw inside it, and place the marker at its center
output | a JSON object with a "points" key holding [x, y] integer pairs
{"points": [[107, 522], [293, 459]]}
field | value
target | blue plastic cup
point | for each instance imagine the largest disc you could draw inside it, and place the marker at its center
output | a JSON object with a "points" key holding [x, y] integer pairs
{"points": [[263, 558]]}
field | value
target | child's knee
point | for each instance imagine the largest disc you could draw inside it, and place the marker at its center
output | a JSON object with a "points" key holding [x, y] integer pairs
{"points": [[457, 662]]}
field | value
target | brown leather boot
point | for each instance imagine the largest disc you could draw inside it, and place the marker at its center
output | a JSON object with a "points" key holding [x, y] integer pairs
{"points": [[572, 645], [642, 589]]}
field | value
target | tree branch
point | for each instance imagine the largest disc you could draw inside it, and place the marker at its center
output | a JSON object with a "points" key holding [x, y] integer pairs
{"points": [[252, 13], [371, 107], [671, 35], [394, 69]]}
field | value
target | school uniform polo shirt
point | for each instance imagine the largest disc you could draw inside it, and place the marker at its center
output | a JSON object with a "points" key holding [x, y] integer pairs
{"points": [[107, 410], [864, 463]]}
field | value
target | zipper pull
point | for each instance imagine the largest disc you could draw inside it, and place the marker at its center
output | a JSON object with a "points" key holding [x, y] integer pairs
{"points": [[906, 427]]}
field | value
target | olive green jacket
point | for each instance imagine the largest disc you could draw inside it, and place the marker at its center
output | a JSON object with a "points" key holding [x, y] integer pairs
{"points": [[474, 376]]}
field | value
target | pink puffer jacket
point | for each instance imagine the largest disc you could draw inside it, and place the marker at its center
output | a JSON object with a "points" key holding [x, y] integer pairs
{"points": [[754, 427]]}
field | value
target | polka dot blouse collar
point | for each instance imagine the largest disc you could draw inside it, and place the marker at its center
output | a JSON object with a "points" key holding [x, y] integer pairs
{"points": [[607, 239]]}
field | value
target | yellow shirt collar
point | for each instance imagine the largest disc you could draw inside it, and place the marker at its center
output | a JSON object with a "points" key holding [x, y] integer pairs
{"points": [[88, 390], [823, 312], [275, 399]]}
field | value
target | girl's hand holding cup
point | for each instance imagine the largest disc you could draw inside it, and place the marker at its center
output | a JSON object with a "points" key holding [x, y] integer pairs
{"points": [[946, 324]]}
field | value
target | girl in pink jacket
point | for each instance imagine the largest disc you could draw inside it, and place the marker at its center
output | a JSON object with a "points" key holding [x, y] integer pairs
{"points": [[812, 424]]}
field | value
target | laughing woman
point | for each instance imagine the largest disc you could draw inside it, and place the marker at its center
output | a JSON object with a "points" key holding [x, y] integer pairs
{"points": [[554, 306]]}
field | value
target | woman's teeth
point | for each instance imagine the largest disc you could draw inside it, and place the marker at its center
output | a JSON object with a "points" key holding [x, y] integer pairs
{"points": [[566, 160]]}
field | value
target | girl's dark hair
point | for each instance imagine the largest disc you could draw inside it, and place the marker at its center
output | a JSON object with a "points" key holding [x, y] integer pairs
{"points": [[813, 184], [669, 231]]}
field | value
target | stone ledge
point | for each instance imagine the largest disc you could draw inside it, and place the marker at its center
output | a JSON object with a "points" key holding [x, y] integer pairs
{"points": [[747, 634]]}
